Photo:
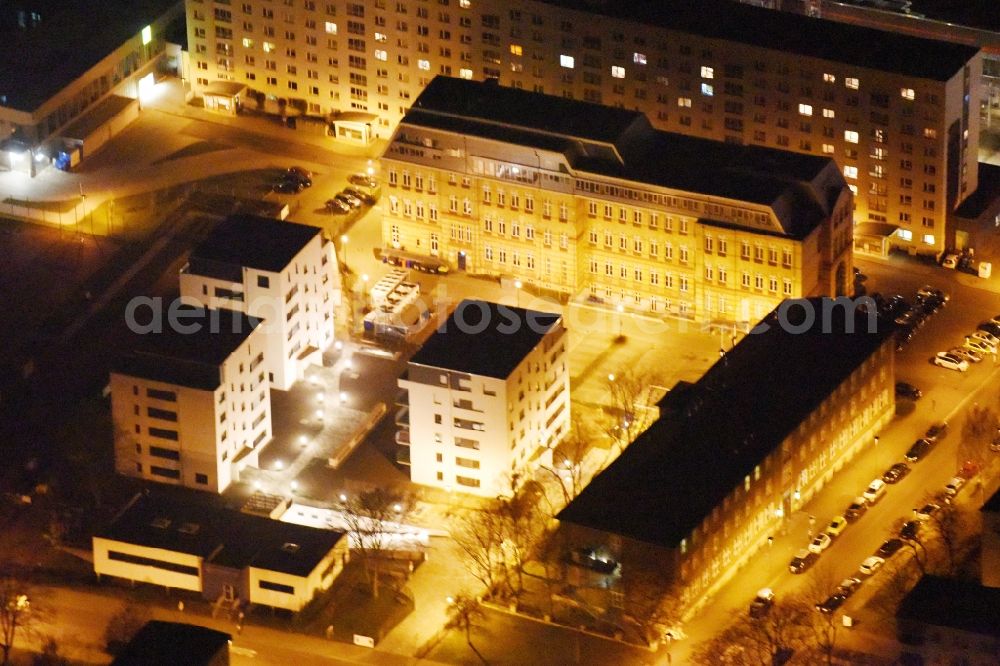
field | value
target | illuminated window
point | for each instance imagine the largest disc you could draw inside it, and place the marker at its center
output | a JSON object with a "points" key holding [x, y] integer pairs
{"points": [[907, 93], [515, 49], [854, 189], [684, 102], [929, 239], [566, 61], [829, 113], [707, 90], [424, 65], [464, 4], [851, 172], [852, 83], [247, 43], [829, 78], [707, 72], [905, 234], [381, 37], [805, 109], [828, 148], [850, 136], [331, 28], [465, 73], [930, 133], [268, 47], [381, 55], [617, 72], [639, 58], [147, 35]]}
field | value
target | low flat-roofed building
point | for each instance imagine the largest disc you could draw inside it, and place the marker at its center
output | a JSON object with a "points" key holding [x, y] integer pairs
{"points": [[161, 643], [221, 553], [192, 407], [592, 202], [950, 621], [485, 398], [734, 454], [282, 272]]}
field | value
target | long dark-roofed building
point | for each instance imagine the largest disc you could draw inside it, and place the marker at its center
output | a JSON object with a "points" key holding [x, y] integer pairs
{"points": [[594, 203], [734, 454]]}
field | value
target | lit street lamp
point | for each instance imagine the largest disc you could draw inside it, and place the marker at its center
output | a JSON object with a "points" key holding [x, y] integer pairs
{"points": [[517, 285]]}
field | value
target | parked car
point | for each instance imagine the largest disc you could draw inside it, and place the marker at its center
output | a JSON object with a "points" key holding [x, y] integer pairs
{"points": [[952, 488], [895, 306], [909, 391], [896, 473], [337, 206], [820, 543], [927, 291], [950, 261], [802, 561], [986, 337], [979, 346], [937, 431], [871, 565], [351, 199], [848, 586], [991, 328], [287, 187], [920, 448], [364, 196], [889, 548], [995, 320], [856, 509], [875, 491], [925, 512], [298, 173], [951, 362], [761, 604], [909, 530], [836, 526], [832, 603], [932, 304], [908, 318], [361, 179], [969, 469], [966, 354]]}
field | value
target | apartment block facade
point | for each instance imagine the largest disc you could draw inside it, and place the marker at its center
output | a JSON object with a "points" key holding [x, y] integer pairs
{"points": [[892, 110], [281, 272], [192, 408], [589, 201], [485, 399]]}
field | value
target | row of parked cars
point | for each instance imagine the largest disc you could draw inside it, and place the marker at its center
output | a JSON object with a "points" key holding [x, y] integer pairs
{"points": [[352, 198], [980, 343], [293, 180]]}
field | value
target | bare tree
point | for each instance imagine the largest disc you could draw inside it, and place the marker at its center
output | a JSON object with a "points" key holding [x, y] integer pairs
{"points": [[764, 641], [981, 425], [950, 537], [479, 535], [630, 409], [465, 611], [49, 656], [651, 601], [372, 519], [123, 625], [568, 468], [819, 586], [897, 579], [18, 613]]}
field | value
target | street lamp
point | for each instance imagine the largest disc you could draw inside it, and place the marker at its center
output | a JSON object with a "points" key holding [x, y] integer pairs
{"points": [[343, 245], [517, 285]]}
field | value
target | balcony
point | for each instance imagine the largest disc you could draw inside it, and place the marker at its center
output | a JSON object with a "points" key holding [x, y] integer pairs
{"points": [[403, 437], [403, 417], [403, 456], [403, 398]]}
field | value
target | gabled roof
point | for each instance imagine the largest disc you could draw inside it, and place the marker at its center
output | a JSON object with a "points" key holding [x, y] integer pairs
{"points": [[222, 536], [486, 339], [714, 432], [790, 33], [249, 241]]}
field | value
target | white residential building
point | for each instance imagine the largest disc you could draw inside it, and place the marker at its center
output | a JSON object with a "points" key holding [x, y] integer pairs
{"points": [[282, 272], [192, 407], [485, 399]]}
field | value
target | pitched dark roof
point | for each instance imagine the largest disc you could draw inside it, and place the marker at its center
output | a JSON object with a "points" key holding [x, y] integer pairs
{"points": [[222, 536], [801, 189], [714, 432], [161, 643], [483, 338], [190, 358], [252, 242], [947, 602], [790, 33], [73, 36]]}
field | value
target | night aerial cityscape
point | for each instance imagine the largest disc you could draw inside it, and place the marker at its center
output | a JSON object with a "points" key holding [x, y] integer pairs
{"points": [[500, 332]]}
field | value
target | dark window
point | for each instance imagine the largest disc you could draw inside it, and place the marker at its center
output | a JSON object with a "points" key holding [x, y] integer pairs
{"points": [[161, 414], [161, 452], [276, 587], [149, 562], [229, 294], [263, 281], [163, 471], [169, 396], [163, 433], [201, 478]]}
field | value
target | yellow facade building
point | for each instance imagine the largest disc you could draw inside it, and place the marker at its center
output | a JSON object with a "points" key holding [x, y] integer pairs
{"points": [[585, 201]]}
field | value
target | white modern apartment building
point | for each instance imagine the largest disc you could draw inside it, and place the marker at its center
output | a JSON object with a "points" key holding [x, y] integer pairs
{"points": [[485, 399], [282, 272], [191, 405], [897, 113]]}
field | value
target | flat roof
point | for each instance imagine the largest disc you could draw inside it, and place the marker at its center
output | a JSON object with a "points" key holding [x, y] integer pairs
{"points": [[981, 14], [37, 61], [613, 143], [486, 339], [161, 643], [186, 357], [712, 434], [251, 241], [949, 602], [791, 33], [94, 117], [222, 537]]}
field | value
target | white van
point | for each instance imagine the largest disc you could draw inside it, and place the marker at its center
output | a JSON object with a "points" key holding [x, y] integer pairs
{"points": [[875, 491]]}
